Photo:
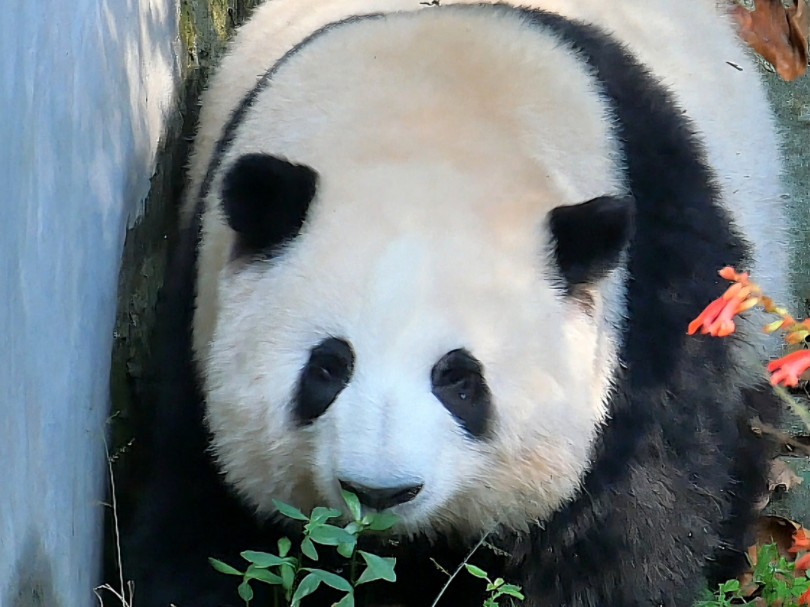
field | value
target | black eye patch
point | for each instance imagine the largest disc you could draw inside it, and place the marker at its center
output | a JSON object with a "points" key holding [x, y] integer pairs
{"points": [[325, 375], [457, 380]]}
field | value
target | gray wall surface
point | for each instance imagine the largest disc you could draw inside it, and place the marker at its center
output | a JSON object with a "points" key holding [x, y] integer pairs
{"points": [[85, 88]]}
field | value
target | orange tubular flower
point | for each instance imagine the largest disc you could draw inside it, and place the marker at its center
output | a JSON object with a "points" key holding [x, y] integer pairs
{"points": [[731, 274], [803, 563], [801, 541], [786, 370], [717, 319], [804, 599]]}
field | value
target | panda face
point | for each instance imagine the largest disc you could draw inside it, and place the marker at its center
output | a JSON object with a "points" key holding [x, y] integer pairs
{"points": [[451, 378], [400, 306]]}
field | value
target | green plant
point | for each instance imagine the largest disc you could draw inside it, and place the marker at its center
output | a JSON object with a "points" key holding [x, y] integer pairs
{"points": [[776, 581], [496, 588], [293, 580]]}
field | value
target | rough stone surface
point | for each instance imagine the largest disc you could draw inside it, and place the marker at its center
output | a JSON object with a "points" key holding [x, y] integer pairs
{"points": [[791, 101], [795, 503]]}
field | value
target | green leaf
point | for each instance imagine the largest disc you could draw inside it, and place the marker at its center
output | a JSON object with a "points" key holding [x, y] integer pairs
{"points": [[346, 550], [329, 535], [378, 568], [290, 511], [730, 586], [346, 601], [476, 571], [382, 521], [223, 567], [331, 579], [307, 586], [262, 559], [354, 528], [512, 590], [287, 577], [284, 545], [321, 514], [245, 592], [262, 575], [353, 502], [308, 548]]}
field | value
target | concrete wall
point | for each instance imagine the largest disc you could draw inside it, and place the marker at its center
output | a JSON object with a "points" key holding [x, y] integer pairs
{"points": [[85, 90]]}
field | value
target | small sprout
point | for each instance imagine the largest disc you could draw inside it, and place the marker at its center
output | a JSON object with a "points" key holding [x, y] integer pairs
{"points": [[377, 568], [329, 535], [223, 567], [476, 571], [290, 511], [353, 503], [496, 588], [262, 575], [262, 559], [383, 521], [245, 592], [283, 571], [308, 549]]}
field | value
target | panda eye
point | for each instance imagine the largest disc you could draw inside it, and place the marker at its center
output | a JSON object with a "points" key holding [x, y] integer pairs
{"points": [[458, 383], [325, 375], [328, 369]]}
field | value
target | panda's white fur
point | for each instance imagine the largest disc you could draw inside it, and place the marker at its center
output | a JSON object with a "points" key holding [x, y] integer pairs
{"points": [[403, 289], [688, 45], [443, 140], [408, 255]]}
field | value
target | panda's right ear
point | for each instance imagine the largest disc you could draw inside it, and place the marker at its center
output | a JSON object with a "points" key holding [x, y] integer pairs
{"points": [[266, 200], [589, 237]]}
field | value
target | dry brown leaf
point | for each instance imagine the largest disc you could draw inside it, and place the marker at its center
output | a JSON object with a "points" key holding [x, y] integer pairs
{"points": [[769, 530], [775, 530], [777, 33], [782, 475], [780, 479]]}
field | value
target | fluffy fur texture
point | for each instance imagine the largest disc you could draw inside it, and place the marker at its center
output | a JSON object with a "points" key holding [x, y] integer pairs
{"points": [[450, 254]]}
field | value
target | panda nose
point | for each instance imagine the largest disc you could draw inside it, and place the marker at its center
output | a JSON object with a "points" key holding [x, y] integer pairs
{"points": [[380, 498]]}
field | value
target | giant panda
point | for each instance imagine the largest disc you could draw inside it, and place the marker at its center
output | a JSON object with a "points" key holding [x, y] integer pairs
{"points": [[444, 255]]}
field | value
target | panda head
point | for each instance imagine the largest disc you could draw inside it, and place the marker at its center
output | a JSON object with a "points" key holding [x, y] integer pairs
{"points": [[425, 323]]}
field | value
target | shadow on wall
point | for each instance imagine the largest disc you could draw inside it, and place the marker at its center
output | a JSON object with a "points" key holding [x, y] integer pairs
{"points": [[32, 572], [204, 28]]}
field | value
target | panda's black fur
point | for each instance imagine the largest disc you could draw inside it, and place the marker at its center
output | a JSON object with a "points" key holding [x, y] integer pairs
{"points": [[667, 504]]}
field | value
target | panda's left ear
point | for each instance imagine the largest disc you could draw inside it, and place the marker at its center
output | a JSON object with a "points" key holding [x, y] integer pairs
{"points": [[266, 200], [590, 237]]}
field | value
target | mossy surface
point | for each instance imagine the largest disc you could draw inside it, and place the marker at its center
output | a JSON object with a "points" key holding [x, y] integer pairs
{"points": [[204, 27]]}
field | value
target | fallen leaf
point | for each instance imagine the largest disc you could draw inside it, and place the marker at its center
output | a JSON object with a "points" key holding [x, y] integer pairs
{"points": [[776, 530], [782, 477], [769, 530], [777, 33]]}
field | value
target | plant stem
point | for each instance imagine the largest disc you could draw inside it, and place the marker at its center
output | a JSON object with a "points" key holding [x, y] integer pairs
{"points": [[455, 573], [802, 413]]}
